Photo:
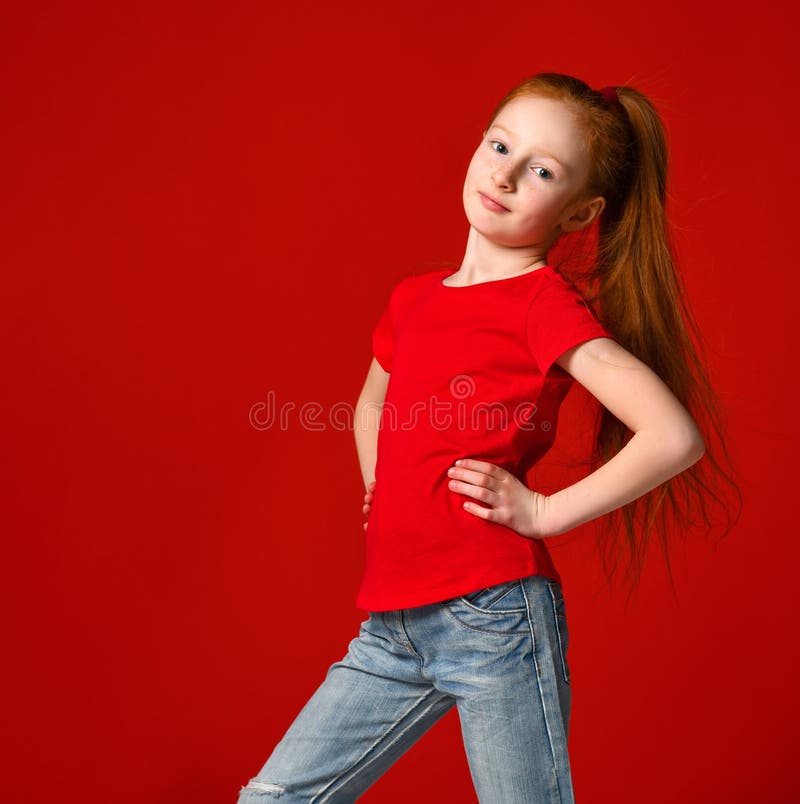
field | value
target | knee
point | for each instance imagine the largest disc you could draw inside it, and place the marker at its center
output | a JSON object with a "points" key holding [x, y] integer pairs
{"points": [[256, 792]]}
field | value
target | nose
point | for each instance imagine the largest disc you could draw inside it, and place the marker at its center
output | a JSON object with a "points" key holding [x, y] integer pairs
{"points": [[502, 176]]}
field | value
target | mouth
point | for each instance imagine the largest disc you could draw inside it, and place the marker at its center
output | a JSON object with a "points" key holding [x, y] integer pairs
{"points": [[492, 203]]}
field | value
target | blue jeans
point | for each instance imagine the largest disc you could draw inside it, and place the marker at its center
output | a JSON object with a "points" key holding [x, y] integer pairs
{"points": [[499, 654]]}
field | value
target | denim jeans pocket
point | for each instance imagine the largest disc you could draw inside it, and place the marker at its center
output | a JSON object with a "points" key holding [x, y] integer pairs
{"points": [[499, 609], [502, 598], [560, 625]]}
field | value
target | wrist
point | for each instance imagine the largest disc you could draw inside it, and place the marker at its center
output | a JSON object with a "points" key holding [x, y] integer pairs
{"points": [[557, 518], [544, 516]]}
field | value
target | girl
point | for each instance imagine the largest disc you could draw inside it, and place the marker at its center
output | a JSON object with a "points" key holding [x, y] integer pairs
{"points": [[470, 367]]}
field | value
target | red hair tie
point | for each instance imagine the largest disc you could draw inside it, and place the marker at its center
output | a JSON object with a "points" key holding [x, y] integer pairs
{"points": [[610, 96]]}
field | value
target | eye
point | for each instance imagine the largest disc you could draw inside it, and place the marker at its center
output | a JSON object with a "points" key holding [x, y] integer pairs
{"points": [[492, 143], [543, 173]]}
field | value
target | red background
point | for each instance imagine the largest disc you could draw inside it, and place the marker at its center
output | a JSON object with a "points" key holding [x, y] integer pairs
{"points": [[206, 202]]}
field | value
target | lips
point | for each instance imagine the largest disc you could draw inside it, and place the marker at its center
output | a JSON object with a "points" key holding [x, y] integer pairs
{"points": [[492, 203]]}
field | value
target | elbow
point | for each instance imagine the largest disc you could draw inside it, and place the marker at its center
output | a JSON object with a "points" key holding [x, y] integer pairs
{"points": [[680, 444], [690, 446], [695, 450]]}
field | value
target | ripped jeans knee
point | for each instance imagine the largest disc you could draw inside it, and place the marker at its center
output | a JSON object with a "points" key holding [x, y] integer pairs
{"points": [[262, 789]]}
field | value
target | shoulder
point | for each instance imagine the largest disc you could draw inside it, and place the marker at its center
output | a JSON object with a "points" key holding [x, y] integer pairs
{"points": [[413, 285], [418, 281], [555, 292], [554, 283]]}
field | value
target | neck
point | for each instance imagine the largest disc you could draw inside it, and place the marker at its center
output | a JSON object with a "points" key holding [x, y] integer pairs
{"points": [[485, 260]]}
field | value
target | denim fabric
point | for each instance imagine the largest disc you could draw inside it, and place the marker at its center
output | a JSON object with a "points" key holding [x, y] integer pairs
{"points": [[499, 654]]}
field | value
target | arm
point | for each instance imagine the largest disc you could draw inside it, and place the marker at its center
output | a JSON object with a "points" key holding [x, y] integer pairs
{"points": [[367, 417], [665, 442]]}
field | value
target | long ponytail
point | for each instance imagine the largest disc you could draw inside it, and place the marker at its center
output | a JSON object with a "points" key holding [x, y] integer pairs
{"points": [[643, 300]]}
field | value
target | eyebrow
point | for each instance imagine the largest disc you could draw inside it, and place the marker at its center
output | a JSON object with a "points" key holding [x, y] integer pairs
{"points": [[542, 153]]}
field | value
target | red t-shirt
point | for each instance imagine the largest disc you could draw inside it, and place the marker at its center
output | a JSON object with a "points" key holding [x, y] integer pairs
{"points": [[472, 376]]}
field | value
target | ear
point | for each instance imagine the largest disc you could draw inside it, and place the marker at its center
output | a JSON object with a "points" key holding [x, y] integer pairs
{"points": [[583, 214]]}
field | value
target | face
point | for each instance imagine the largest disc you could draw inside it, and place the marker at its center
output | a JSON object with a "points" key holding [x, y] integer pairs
{"points": [[525, 183]]}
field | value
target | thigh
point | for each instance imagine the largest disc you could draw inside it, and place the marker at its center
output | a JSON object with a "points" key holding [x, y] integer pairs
{"points": [[371, 707], [514, 693]]}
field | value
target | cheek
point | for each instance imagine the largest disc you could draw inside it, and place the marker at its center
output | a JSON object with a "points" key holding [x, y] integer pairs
{"points": [[483, 159], [539, 201], [539, 211], [472, 169]]}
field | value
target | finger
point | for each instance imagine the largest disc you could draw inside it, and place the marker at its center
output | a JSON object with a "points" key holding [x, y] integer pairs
{"points": [[477, 492], [476, 478], [479, 466], [478, 510]]}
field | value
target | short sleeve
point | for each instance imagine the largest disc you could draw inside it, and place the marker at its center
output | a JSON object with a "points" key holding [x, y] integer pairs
{"points": [[559, 318], [383, 338]]}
